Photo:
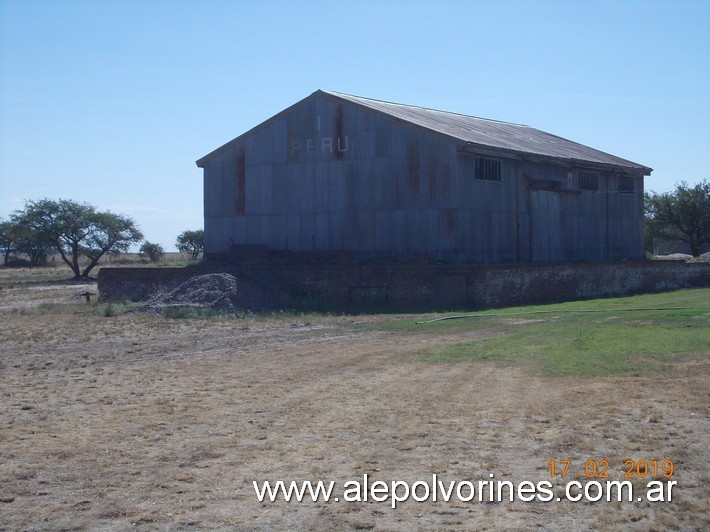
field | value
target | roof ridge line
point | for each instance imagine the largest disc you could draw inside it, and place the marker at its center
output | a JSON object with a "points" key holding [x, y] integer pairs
{"points": [[340, 94]]}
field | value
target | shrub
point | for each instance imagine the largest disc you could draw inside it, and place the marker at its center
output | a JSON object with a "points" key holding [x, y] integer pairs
{"points": [[154, 252]]}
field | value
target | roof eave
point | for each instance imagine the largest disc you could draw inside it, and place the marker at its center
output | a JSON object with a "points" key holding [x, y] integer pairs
{"points": [[471, 148]]}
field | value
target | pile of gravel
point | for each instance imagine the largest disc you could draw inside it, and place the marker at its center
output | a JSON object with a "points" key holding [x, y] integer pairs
{"points": [[214, 291]]}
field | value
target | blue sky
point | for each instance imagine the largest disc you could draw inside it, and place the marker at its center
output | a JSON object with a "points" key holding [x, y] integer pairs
{"points": [[111, 102]]}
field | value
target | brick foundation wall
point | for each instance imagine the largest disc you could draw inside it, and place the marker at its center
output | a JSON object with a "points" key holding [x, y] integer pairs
{"points": [[424, 287]]}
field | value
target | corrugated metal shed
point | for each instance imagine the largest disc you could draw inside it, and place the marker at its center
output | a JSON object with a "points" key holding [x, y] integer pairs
{"points": [[341, 173]]}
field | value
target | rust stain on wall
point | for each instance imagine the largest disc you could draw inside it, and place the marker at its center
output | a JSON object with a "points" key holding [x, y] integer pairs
{"points": [[339, 131], [445, 179], [449, 220], [433, 181], [240, 182], [413, 165]]}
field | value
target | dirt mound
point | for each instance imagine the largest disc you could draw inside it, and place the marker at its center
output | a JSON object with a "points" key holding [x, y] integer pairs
{"points": [[705, 257], [214, 291]]}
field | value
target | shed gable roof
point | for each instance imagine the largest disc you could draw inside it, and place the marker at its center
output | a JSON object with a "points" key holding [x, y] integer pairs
{"points": [[475, 132], [516, 138]]}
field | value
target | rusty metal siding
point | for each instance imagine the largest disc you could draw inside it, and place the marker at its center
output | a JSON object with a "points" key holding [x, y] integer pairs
{"points": [[330, 175], [488, 208], [219, 183], [625, 221], [240, 184], [545, 236]]}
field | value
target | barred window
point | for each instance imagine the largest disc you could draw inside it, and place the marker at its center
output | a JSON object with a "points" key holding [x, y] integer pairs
{"points": [[588, 180], [487, 169], [626, 184]]}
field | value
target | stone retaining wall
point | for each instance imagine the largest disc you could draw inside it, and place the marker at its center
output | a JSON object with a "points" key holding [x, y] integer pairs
{"points": [[422, 287]]}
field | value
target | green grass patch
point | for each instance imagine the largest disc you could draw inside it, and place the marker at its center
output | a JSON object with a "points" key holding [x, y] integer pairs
{"points": [[620, 336]]}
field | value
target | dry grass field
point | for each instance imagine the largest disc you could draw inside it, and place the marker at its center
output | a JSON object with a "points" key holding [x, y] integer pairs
{"points": [[113, 420]]}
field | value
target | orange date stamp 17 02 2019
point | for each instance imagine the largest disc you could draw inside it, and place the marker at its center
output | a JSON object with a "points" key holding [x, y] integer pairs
{"points": [[600, 468]]}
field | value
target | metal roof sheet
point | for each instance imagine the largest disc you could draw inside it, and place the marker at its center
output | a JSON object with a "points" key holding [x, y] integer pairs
{"points": [[516, 138], [478, 132]]}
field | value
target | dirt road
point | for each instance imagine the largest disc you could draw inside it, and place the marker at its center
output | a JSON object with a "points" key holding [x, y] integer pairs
{"points": [[114, 422]]}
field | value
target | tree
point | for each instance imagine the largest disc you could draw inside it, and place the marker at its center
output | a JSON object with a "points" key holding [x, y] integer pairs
{"points": [[77, 229], [683, 214], [109, 232], [154, 252], [6, 240], [27, 239], [192, 242]]}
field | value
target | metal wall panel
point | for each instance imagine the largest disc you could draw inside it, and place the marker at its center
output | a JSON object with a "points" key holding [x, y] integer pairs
{"points": [[545, 226]]}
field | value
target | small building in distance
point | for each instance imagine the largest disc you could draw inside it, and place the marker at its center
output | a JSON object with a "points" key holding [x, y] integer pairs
{"points": [[374, 179]]}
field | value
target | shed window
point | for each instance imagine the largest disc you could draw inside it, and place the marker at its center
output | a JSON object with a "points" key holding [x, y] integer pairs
{"points": [[588, 180], [626, 184], [487, 169]]}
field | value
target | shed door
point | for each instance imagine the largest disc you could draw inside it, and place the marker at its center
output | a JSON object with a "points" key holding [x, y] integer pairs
{"points": [[545, 234]]}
